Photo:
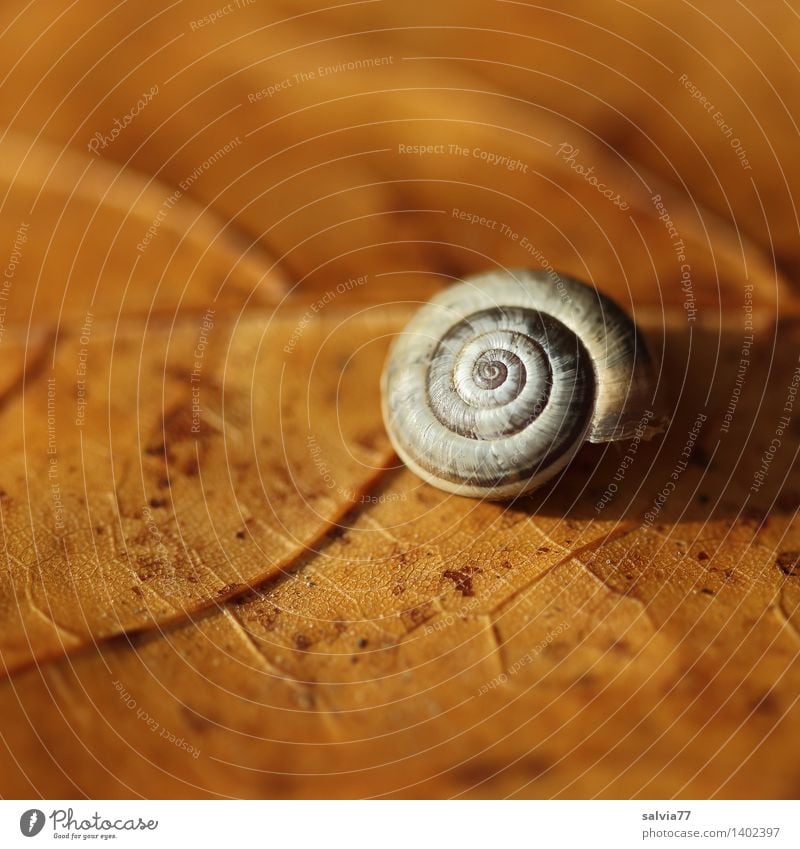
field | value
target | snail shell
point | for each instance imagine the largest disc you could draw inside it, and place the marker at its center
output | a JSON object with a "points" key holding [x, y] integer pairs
{"points": [[496, 383]]}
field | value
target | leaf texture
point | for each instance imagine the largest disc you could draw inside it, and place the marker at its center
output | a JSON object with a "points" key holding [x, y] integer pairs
{"points": [[217, 580]]}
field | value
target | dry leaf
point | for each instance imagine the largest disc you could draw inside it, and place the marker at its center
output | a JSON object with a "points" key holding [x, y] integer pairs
{"points": [[225, 585], [263, 118], [437, 646]]}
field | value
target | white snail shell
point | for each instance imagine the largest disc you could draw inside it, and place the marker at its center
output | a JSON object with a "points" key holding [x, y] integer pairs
{"points": [[496, 383]]}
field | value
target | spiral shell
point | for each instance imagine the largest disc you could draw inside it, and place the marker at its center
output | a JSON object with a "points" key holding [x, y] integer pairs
{"points": [[496, 383]]}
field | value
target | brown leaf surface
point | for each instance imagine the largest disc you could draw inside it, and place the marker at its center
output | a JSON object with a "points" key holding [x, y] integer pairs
{"points": [[313, 168], [180, 483], [92, 241], [145, 534], [440, 646], [146, 476]]}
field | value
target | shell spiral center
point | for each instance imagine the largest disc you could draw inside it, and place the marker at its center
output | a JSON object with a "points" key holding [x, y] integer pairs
{"points": [[489, 376]]}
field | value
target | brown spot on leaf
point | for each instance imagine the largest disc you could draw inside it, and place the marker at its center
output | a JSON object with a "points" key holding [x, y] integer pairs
{"points": [[370, 442], [789, 563], [302, 642], [699, 457], [190, 466], [767, 704], [269, 617], [196, 721], [415, 616], [757, 517], [178, 424], [462, 579]]}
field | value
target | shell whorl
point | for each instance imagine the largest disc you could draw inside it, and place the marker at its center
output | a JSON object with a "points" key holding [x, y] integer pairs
{"points": [[495, 384]]}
